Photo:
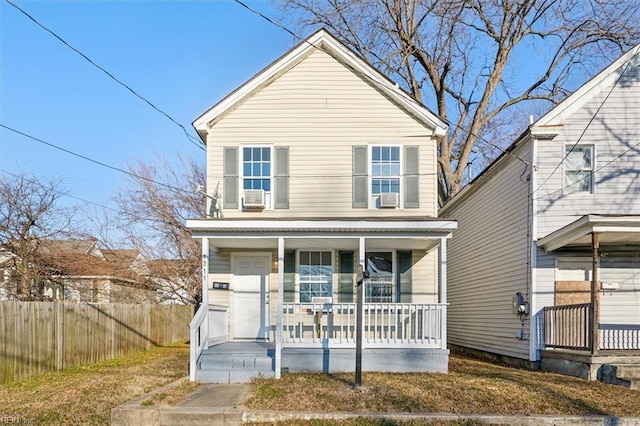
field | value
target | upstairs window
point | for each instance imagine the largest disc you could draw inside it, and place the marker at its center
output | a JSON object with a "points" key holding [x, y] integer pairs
{"points": [[578, 169], [256, 168], [385, 169]]}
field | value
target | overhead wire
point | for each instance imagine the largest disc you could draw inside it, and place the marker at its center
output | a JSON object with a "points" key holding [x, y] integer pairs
{"points": [[100, 163], [299, 37], [584, 131], [195, 141]]}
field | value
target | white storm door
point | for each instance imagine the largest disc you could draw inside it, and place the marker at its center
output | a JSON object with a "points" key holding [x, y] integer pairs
{"points": [[250, 296]]}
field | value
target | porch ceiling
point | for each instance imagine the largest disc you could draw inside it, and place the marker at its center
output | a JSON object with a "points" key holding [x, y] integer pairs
{"points": [[409, 234], [613, 230]]}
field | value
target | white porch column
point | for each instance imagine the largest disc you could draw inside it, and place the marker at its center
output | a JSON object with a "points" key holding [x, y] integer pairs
{"points": [[205, 288], [280, 307], [443, 289]]}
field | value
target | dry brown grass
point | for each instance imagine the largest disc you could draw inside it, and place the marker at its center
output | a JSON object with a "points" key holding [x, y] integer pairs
{"points": [[470, 387], [86, 394]]}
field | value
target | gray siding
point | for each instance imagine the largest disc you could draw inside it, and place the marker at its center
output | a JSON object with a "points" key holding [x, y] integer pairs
{"points": [[615, 132], [488, 260]]}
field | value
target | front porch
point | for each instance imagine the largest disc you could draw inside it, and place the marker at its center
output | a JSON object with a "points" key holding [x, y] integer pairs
{"points": [[292, 284], [593, 331], [397, 337]]}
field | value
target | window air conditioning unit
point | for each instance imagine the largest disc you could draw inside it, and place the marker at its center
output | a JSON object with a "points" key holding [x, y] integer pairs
{"points": [[254, 199], [389, 200]]}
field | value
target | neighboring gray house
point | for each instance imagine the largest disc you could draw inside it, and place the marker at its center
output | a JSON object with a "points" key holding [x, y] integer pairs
{"points": [[554, 217], [320, 164]]}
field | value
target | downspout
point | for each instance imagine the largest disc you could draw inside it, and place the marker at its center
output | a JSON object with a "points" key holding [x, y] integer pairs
{"points": [[534, 354]]}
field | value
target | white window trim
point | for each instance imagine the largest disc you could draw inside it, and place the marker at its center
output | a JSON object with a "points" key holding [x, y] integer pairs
{"points": [[565, 188], [373, 201], [268, 194], [297, 272]]}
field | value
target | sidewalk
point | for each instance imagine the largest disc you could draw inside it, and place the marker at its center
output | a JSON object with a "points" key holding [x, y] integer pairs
{"points": [[222, 404]]}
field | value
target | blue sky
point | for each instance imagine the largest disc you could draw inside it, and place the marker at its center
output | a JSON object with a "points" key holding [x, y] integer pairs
{"points": [[182, 56]]}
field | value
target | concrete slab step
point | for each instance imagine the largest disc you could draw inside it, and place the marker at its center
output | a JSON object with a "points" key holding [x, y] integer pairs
{"points": [[233, 361], [231, 376], [627, 375]]}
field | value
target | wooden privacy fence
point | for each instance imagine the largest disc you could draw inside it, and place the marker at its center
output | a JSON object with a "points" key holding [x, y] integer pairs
{"points": [[39, 337]]}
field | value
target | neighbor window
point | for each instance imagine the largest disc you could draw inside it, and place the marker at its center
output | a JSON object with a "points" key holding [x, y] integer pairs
{"points": [[315, 272], [256, 168], [578, 169], [385, 169]]}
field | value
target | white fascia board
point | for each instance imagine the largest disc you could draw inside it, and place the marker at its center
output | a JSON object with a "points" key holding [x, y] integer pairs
{"points": [[586, 92], [587, 225], [321, 40], [326, 225]]}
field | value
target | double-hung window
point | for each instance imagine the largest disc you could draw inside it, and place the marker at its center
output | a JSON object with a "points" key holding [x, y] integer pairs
{"points": [[578, 169], [385, 169], [315, 271], [256, 168]]}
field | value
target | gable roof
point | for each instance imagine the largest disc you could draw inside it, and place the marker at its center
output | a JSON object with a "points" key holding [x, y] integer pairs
{"points": [[324, 41], [608, 76], [549, 124]]}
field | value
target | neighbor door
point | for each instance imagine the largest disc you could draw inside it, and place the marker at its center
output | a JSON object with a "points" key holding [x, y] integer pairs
{"points": [[251, 296]]}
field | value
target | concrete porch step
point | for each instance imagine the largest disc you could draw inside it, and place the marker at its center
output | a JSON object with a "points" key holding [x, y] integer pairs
{"points": [[236, 362], [627, 375]]}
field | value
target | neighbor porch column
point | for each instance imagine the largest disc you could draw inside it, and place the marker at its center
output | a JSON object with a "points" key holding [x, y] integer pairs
{"points": [[443, 290], [280, 307], [595, 295], [205, 288]]}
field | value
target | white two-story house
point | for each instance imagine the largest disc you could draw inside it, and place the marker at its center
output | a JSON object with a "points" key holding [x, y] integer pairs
{"points": [[316, 167], [545, 265]]}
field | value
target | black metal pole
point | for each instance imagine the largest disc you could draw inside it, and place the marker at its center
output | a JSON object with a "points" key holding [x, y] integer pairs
{"points": [[359, 296]]}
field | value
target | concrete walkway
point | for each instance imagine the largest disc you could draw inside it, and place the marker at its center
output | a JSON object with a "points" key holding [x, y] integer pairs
{"points": [[222, 404]]}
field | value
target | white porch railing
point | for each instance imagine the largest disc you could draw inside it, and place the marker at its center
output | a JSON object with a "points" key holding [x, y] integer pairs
{"points": [[385, 325], [208, 326], [620, 336]]}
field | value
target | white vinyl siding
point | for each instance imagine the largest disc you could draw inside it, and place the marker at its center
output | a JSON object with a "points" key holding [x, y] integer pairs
{"points": [[488, 260], [320, 109]]}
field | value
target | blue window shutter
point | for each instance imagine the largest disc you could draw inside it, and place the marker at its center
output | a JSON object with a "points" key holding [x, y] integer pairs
{"points": [[360, 178], [411, 178], [230, 167], [282, 177]]}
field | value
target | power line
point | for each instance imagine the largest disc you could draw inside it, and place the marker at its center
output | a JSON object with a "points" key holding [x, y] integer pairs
{"points": [[591, 174], [60, 192], [584, 131], [100, 163], [263, 16], [195, 141]]}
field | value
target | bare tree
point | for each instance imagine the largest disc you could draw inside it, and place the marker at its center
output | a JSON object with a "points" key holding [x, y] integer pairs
{"points": [[153, 211], [30, 213], [477, 62]]}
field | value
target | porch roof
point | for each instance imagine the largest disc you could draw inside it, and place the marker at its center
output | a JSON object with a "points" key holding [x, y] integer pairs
{"points": [[613, 230], [413, 233]]}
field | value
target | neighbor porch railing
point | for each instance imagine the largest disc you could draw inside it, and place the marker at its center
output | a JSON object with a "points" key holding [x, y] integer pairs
{"points": [[384, 325], [567, 327]]}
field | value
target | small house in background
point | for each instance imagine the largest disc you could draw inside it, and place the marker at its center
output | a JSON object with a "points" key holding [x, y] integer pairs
{"points": [[316, 167], [544, 268], [77, 270]]}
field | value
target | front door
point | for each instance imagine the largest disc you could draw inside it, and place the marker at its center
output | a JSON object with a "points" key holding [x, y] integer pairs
{"points": [[251, 296]]}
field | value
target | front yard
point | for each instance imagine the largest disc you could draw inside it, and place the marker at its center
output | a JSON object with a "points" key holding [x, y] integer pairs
{"points": [[86, 395]]}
